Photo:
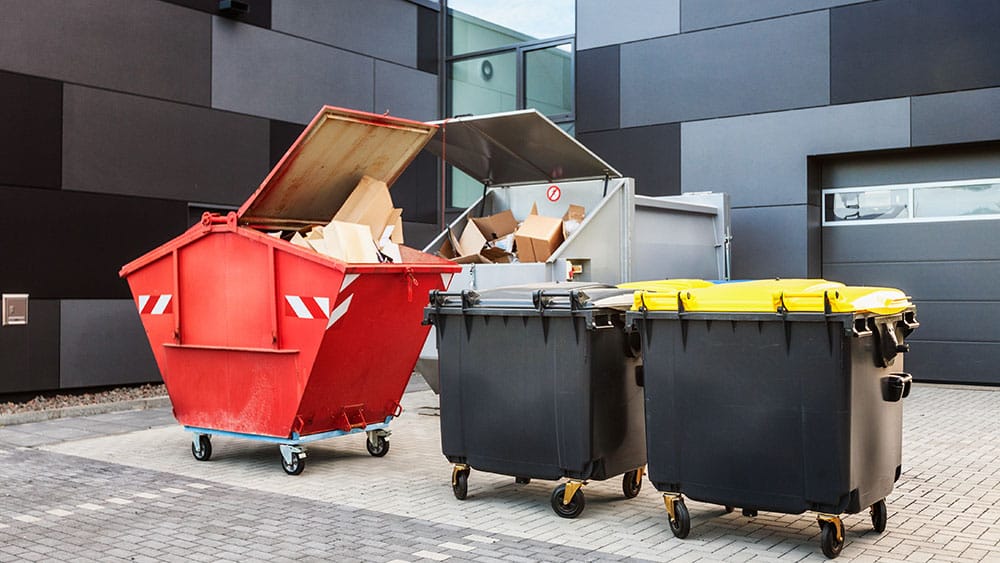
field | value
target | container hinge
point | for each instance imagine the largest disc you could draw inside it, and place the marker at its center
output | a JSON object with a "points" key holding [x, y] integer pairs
{"points": [[607, 178], [782, 309], [470, 299]]}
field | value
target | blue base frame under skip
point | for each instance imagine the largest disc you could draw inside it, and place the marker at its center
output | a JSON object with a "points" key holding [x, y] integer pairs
{"points": [[296, 439]]}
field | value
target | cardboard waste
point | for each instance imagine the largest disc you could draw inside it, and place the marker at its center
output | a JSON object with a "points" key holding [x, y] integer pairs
{"points": [[500, 239], [366, 228]]}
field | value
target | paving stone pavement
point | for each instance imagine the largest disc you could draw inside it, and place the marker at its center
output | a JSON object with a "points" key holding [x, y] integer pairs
{"points": [[123, 486]]}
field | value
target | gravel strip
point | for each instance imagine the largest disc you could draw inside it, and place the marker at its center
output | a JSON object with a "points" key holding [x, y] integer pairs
{"points": [[62, 401]]}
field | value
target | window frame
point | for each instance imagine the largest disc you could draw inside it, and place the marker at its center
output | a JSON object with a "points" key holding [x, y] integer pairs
{"points": [[911, 188]]}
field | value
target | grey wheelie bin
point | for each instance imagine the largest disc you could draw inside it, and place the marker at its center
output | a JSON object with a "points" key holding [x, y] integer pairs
{"points": [[782, 396], [540, 382]]}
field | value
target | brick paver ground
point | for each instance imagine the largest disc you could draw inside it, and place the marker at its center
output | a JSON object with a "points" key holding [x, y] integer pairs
{"points": [[124, 485]]}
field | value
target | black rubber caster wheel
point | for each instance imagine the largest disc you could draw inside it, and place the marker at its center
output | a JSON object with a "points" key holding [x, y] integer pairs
{"points": [[204, 450], [680, 525], [460, 487], [522, 480], [630, 485], [750, 512], [829, 542], [295, 466], [380, 448], [728, 509], [571, 510], [880, 515]]}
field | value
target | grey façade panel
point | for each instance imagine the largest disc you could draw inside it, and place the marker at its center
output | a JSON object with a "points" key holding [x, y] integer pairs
{"points": [[702, 14], [650, 154], [131, 145], [597, 89], [960, 321], [912, 242], [405, 92], [936, 281], [385, 29], [770, 242], [925, 164], [102, 342], [956, 117], [763, 66], [31, 352], [259, 72], [762, 159], [141, 46], [896, 48], [600, 23], [953, 362]]}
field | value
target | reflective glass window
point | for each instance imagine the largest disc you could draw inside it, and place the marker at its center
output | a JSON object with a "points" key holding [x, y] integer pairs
{"points": [[477, 25]]}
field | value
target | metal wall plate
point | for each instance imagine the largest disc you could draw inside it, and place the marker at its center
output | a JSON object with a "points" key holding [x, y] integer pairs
{"points": [[15, 309]]}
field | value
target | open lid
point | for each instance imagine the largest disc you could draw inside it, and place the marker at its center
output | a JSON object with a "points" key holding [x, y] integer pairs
{"points": [[322, 167], [518, 147]]}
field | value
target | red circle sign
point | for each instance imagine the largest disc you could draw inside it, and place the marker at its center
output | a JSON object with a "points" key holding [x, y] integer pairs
{"points": [[553, 193]]}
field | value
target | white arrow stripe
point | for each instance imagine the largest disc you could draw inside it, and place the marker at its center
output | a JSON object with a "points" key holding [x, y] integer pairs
{"points": [[446, 278], [348, 280], [143, 299], [301, 311], [161, 304], [340, 311], [324, 305]]}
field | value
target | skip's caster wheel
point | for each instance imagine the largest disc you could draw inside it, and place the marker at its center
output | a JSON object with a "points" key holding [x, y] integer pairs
{"points": [[571, 509], [202, 451], [379, 448], [294, 466], [750, 512], [728, 509], [680, 524], [828, 540], [880, 515], [460, 483], [631, 484], [522, 480]]}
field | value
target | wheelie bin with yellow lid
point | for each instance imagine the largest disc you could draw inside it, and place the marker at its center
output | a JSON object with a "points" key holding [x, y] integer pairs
{"points": [[775, 395]]}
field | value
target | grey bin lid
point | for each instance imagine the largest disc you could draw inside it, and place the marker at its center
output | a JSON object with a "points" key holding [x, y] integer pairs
{"points": [[597, 295], [322, 167], [518, 147]]}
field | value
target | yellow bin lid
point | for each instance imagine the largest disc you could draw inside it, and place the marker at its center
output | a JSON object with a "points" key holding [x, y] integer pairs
{"points": [[770, 296], [673, 285]]}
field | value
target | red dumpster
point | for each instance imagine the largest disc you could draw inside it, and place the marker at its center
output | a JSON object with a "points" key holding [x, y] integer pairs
{"points": [[259, 338]]}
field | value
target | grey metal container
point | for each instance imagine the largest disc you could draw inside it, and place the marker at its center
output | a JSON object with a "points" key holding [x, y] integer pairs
{"points": [[540, 382]]}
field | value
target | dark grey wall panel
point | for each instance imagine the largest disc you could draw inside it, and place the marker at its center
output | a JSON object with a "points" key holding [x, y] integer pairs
{"points": [[763, 66], [910, 242], [31, 138], [651, 155], [140, 46], [62, 244], [118, 143], [770, 242], [416, 190], [599, 22], [956, 117], [428, 37], [898, 48], [701, 14], [30, 353], [274, 75], [762, 159], [965, 321], [405, 92], [283, 134], [101, 342], [419, 235], [953, 362], [938, 281], [928, 164], [259, 13], [597, 77], [386, 29]]}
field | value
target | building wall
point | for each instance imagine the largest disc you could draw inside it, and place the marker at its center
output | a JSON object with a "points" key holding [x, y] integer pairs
{"points": [[124, 119], [756, 98]]}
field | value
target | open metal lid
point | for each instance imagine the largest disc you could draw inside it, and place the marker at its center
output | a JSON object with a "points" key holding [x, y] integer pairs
{"points": [[322, 167], [518, 147]]}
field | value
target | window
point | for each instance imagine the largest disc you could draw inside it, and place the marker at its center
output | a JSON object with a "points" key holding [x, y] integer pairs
{"points": [[936, 201]]}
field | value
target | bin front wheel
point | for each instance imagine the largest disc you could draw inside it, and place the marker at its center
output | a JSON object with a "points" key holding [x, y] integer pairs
{"points": [[460, 482], [831, 542], [379, 448], [201, 447], [680, 518], [728, 509], [570, 509], [880, 516], [293, 466], [522, 480], [632, 483]]}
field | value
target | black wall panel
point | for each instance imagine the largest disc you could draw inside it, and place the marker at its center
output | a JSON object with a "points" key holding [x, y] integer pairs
{"points": [[259, 13], [952, 362], [31, 131], [651, 155], [597, 89], [30, 353], [897, 48], [61, 244], [416, 189], [283, 134], [427, 40]]}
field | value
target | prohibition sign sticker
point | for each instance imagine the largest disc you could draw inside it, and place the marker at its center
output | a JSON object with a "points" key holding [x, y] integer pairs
{"points": [[553, 193]]}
